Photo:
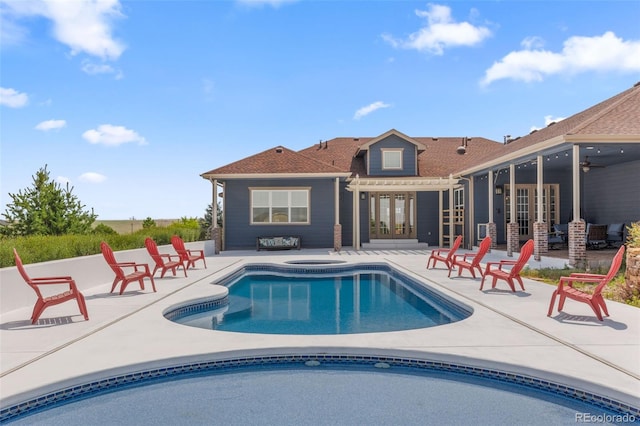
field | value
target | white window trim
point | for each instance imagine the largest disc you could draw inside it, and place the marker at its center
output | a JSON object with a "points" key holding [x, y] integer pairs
{"points": [[392, 150], [289, 190]]}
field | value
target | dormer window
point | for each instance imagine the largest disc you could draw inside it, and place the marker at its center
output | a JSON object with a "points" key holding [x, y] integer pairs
{"points": [[392, 159]]}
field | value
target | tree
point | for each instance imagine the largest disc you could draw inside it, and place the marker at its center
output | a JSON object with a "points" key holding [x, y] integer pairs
{"points": [[46, 209], [205, 223], [148, 223]]}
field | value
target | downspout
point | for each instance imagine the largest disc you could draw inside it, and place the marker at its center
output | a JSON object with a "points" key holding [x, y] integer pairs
{"points": [[451, 226]]}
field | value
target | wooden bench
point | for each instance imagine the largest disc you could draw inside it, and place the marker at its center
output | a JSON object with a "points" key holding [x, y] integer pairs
{"points": [[278, 243]]}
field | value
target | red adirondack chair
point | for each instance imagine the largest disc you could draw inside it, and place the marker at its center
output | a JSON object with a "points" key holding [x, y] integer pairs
{"points": [[595, 300], [188, 256], [44, 302], [164, 262], [509, 275], [462, 260], [445, 254], [140, 270]]}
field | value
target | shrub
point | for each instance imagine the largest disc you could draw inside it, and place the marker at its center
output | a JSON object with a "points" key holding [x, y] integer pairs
{"points": [[148, 223], [102, 229], [42, 248], [633, 235]]}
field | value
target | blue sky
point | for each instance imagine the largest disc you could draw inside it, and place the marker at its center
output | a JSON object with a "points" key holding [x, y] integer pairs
{"points": [[130, 101]]}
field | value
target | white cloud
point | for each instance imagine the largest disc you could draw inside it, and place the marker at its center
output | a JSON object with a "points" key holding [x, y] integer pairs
{"points": [[93, 69], [440, 33], [111, 135], [12, 98], [92, 177], [579, 54], [51, 125], [366, 110], [548, 119], [83, 25]]}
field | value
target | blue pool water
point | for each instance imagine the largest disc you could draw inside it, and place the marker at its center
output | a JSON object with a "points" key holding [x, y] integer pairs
{"points": [[325, 394], [326, 302]]}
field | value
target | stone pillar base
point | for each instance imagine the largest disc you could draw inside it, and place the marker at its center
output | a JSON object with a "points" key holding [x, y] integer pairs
{"points": [[577, 244], [492, 231], [541, 239], [216, 236], [337, 237], [513, 238]]}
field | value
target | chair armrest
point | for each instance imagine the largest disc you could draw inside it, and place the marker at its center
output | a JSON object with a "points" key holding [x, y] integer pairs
{"points": [[584, 275], [440, 251], [54, 281], [196, 251], [134, 265], [42, 279], [469, 255], [570, 280], [169, 256]]}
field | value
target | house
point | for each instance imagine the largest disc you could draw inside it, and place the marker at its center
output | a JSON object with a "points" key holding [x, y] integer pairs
{"points": [[395, 190]]}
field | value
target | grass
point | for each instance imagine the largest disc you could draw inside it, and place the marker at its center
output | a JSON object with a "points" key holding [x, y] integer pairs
{"points": [[131, 226]]}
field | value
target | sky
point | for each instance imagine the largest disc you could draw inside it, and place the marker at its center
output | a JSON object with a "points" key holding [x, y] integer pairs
{"points": [[130, 101]]}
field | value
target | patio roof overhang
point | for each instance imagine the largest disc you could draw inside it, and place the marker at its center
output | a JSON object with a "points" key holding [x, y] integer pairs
{"points": [[555, 145], [403, 184]]}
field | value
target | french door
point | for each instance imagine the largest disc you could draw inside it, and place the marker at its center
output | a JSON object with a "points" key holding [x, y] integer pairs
{"points": [[392, 215], [525, 197]]}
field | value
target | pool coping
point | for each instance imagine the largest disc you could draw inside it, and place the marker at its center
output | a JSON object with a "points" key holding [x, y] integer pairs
{"points": [[590, 370]]}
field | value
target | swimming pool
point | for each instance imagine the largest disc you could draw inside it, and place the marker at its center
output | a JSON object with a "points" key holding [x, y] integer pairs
{"points": [[274, 299], [320, 389]]}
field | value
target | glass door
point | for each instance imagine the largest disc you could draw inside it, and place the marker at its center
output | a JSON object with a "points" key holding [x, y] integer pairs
{"points": [[392, 215]]}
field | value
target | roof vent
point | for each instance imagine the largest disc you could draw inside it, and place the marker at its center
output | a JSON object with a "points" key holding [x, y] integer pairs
{"points": [[356, 139], [279, 149], [637, 84]]}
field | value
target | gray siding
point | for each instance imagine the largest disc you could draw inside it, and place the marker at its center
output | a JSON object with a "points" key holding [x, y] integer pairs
{"points": [[428, 218], [612, 194], [240, 234], [408, 158]]}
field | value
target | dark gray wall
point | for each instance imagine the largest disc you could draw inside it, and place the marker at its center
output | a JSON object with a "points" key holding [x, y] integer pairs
{"points": [[612, 194], [241, 234], [428, 218], [408, 157]]}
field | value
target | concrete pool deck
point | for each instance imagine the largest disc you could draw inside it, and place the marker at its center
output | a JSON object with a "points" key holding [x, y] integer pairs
{"points": [[507, 331]]}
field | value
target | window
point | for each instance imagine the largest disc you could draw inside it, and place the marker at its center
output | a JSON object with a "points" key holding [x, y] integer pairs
{"points": [[391, 159], [279, 205]]}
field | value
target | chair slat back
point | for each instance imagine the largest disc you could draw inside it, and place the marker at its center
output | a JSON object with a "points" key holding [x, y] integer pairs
{"points": [[525, 254], [454, 248], [24, 275], [178, 246], [485, 244], [152, 248], [110, 258], [613, 270]]}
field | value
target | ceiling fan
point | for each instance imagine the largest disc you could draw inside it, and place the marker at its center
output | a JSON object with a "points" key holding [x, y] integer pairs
{"points": [[588, 165]]}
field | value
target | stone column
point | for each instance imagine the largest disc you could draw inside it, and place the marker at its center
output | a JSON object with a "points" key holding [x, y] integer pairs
{"points": [[541, 239], [577, 244], [513, 238], [337, 237], [492, 231], [216, 237]]}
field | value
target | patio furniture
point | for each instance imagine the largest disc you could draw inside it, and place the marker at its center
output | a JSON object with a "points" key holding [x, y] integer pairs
{"points": [[596, 236], [445, 254], [593, 299], [558, 237], [494, 269], [44, 302], [186, 255], [615, 234], [164, 262], [471, 261], [140, 270]]}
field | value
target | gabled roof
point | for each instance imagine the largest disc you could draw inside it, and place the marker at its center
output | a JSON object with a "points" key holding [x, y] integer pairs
{"points": [[274, 161], [615, 119], [365, 146]]}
